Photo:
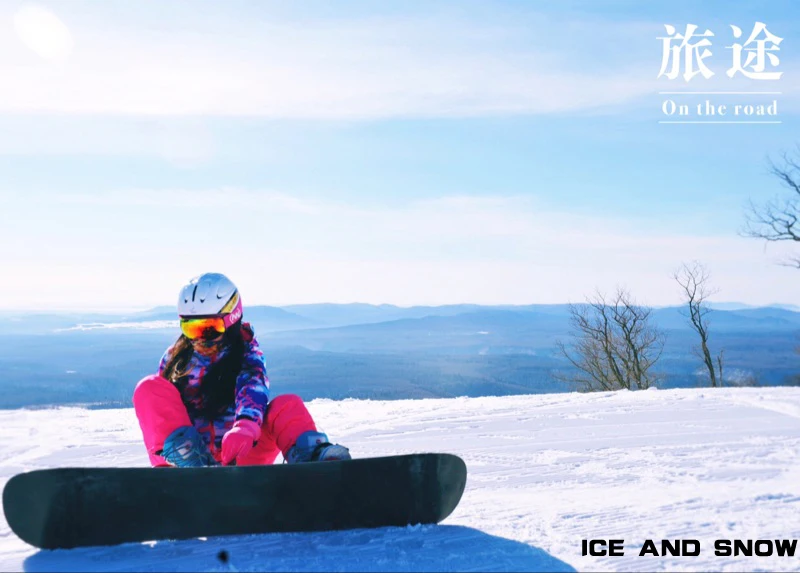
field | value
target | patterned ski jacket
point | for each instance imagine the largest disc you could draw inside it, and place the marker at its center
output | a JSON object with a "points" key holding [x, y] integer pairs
{"points": [[252, 389]]}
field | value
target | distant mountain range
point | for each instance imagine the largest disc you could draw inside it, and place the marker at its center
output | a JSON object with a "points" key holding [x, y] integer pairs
{"points": [[742, 306], [536, 317], [373, 351]]}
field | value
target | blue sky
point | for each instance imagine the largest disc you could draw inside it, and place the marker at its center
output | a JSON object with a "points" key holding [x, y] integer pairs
{"points": [[395, 152]]}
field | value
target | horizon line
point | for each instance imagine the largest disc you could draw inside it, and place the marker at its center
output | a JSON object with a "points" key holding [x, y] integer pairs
{"points": [[125, 310]]}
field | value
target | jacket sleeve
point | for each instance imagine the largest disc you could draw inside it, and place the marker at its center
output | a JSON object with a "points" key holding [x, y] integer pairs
{"points": [[252, 384]]}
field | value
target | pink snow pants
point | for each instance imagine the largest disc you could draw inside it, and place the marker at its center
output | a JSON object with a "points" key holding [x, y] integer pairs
{"points": [[160, 411]]}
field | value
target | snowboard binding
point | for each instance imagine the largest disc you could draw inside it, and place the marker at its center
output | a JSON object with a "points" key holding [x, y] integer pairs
{"points": [[185, 448], [314, 447]]}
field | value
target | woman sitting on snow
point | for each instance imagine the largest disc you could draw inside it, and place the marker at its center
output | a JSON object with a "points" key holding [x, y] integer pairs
{"points": [[209, 404]]}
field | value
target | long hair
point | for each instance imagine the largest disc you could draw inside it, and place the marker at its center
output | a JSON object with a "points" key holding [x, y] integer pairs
{"points": [[218, 386]]}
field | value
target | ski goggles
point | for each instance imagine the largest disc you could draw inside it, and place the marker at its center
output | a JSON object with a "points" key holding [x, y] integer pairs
{"points": [[194, 327]]}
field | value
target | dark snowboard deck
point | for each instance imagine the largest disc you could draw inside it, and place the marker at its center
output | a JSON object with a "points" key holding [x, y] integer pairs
{"points": [[76, 507]]}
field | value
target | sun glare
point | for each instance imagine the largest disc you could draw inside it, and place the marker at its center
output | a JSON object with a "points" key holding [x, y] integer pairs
{"points": [[43, 32]]}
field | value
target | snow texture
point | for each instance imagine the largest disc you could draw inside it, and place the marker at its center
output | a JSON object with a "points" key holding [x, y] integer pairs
{"points": [[545, 472]]}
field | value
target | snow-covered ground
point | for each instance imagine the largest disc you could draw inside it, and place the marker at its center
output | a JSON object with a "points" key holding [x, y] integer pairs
{"points": [[545, 472], [146, 325]]}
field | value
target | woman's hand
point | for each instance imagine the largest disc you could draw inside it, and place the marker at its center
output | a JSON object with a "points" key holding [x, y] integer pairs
{"points": [[239, 440]]}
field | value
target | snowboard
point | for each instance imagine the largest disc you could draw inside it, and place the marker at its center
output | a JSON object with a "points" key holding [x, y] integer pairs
{"points": [[78, 507]]}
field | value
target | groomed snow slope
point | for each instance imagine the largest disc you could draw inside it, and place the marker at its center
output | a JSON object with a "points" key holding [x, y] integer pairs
{"points": [[545, 472]]}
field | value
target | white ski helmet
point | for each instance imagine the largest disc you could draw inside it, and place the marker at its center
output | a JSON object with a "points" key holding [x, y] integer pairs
{"points": [[210, 294]]}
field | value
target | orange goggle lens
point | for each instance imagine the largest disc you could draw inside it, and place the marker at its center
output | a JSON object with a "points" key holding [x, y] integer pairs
{"points": [[202, 327]]}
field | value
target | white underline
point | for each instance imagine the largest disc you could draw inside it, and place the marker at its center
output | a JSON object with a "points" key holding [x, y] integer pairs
{"points": [[720, 93], [720, 122]]}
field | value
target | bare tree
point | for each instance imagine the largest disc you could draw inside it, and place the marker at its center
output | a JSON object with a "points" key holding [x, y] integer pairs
{"points": [[779, 219], [696, 291], [615, 345]]}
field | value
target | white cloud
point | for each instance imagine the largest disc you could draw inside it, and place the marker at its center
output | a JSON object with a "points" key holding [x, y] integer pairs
{"points": [[440, 65], [283, 249], [189, 199], [346, 70]]}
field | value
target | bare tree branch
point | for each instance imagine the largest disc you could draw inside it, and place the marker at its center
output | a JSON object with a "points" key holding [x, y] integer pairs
{"points": [[693, 279], [615, 345], [778, 219]]}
